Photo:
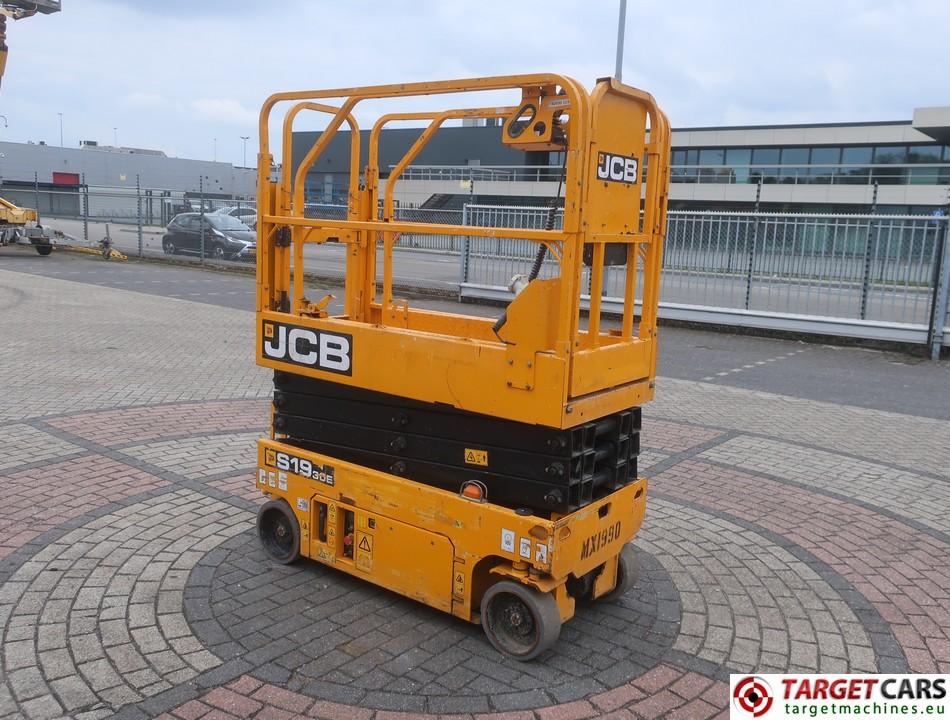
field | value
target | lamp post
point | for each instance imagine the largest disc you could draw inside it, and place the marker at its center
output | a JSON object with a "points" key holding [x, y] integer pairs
{"points": [[621, 24], [245, 138], [115, 137], [60, 129], [216, 149]]}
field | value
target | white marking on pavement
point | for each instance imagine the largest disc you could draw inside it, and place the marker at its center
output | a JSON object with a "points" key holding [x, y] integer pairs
{"points": [[758, 363]]}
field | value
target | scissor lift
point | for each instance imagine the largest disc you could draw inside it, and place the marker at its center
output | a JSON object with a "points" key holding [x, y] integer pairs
{"points": [[485, 468]]}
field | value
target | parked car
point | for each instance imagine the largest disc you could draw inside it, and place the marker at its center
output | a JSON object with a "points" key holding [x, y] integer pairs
{"points": [[246, 215], [225, 237]]}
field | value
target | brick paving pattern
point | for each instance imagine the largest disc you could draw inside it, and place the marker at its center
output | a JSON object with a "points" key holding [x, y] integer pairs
{"points": [[782, 535]]}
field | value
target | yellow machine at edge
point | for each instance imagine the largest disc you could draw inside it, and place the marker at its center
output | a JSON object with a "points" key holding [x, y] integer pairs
{"points": [[484, 467]]}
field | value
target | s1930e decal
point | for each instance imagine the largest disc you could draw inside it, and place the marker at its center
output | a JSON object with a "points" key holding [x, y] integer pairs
{"points": [[299, 466], [307, 347], [617, 168]]}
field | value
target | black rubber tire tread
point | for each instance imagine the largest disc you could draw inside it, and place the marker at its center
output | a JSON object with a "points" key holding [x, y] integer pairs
{"points": [[545, 616], [278, 511], [628, 572], [44, 249]]}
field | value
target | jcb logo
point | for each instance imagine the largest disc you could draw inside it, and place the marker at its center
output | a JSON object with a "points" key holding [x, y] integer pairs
{"points": [[309, 348], [601, 539], [617, 168]]}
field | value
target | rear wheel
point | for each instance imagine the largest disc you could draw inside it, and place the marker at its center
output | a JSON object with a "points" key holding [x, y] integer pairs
{"points": [[279, 531], [628, 572], [169, 247], [518, 620], [44, 249]]}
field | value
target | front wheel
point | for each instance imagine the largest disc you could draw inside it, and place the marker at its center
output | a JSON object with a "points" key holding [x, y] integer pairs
{"points": [[520, 621], [218, 252], [168, 247], [279, 531], [628, 572], [44, 249]]}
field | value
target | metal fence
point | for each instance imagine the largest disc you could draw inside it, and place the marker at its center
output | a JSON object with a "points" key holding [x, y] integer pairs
{"points": [[730, 174], [133, 216], [873, 276]]}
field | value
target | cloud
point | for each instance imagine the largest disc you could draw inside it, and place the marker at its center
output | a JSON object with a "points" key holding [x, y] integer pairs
{"points": [[224, 111], [179, 74], [144, 100]]}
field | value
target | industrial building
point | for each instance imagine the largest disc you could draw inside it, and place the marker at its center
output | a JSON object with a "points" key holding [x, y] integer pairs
{"points": [[890, 166], [48, 178]]}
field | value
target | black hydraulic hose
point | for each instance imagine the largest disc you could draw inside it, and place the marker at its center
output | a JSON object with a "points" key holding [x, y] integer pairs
{"points": [[542, 248]]}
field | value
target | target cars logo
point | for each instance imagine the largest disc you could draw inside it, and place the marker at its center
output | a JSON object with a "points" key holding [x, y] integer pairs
{"points": [[816, 696], [753, 696]]}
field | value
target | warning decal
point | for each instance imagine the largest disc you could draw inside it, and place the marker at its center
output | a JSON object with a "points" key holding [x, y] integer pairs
{"points": [[364, 551], [476, 457]]}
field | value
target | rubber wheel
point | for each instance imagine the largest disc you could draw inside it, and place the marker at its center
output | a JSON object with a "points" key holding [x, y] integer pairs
{"points": [[628, 572], [520, 622], [217, 252], [44, 249], [169, 247], [279, 531]]}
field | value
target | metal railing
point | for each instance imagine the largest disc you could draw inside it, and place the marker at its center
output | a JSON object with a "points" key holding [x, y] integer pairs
{"points": [[871, 276], [494, 173], [889, 174], [837, 174], [138, 214], [878, 276]]}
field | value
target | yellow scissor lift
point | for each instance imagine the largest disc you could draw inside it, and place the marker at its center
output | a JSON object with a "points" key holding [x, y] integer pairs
{"points": [[484, 468]]}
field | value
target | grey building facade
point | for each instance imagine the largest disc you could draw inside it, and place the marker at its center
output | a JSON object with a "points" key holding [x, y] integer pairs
{"points": [[23, 164], [890, 166]]}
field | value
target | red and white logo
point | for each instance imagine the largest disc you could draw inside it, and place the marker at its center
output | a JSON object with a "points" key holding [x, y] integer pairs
{"points": [[753, 696]]}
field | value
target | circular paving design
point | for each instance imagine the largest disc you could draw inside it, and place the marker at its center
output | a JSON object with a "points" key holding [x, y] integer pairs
{"points": [[346, 638], [146, 589]]}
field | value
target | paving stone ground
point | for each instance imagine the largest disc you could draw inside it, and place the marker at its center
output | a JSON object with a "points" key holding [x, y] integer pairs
{"points": [[781, 535]]}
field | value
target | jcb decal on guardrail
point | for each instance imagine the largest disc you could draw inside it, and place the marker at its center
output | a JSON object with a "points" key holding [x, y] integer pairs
{"points": [[308, 348], [617, 168]]}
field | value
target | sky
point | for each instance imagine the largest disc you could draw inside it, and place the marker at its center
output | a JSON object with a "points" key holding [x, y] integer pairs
{"points": [[189, 77]]}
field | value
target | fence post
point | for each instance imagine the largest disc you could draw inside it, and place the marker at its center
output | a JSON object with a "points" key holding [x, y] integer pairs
{"points": [[85, 209], [941, 297], [36, 193], [755, 240], [463, 253], [201, 213], [138, 198], [866, 282]]}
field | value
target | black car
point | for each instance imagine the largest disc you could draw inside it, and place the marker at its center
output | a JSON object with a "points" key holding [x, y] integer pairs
{"points": [[225, 237]]}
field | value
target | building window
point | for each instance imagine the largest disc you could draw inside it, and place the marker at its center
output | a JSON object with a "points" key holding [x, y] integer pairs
{"points": [[738, 160], [856, 155], [712, 156], [825, 155], [765, 156], [923, 154], [890, 154], [795, 156]]}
